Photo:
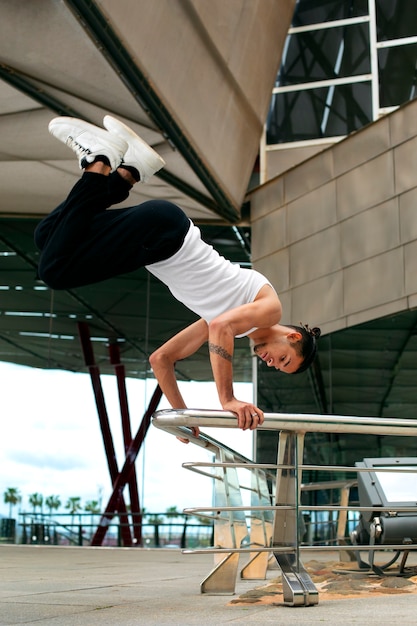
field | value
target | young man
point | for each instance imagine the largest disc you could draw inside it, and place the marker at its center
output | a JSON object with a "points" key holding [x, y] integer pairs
{"points": [[83, 243]]}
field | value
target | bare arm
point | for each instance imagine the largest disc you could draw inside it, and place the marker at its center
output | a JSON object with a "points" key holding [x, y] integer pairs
{"points": [[178, 347], [264, 312], [163, 362]]}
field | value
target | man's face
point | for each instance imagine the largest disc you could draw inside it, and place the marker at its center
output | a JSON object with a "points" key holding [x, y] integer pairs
{"points": [[279, 353]]}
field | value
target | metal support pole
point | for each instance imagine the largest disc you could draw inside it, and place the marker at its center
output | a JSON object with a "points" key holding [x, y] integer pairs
{"points": [[298, 587], [125, 473], [84, 334], [114, 352]]}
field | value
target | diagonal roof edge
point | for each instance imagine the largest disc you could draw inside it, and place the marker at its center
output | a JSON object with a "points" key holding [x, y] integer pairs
{"points": [[98, 28]]}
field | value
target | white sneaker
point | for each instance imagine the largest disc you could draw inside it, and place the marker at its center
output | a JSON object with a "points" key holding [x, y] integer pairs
{"points": [[138, 155], [88, 141]]}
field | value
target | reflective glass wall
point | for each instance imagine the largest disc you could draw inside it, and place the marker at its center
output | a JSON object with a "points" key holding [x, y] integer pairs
{"points": [[344, 64]]}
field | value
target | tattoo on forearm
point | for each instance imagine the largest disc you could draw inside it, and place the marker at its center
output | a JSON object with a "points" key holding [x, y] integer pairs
{"points": [[220, 351]]}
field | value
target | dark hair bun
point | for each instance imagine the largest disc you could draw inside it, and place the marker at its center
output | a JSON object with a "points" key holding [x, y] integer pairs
{"points": [[313, 332]]}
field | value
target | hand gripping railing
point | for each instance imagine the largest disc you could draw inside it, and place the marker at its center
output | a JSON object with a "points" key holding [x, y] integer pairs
{"points": [[273, 528]]}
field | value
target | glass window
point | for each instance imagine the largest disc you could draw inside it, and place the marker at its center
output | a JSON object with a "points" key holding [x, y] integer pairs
{"points": [[397, 74], [396, 19], [342, 52], [316, 11], [325, 54], [315, 113]]}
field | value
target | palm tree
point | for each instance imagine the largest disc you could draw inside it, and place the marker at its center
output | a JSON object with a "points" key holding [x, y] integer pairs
{"points": [[171, 513], [36, 500], [74, 505], [93, 507], [53, 503], [12, 497]]}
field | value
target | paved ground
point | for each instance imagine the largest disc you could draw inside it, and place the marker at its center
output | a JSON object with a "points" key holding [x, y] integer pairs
{"points": [[60, 586]]}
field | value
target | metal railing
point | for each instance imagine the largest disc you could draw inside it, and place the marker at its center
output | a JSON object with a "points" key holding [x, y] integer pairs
{"points": [[158, 530], [272, 523]]}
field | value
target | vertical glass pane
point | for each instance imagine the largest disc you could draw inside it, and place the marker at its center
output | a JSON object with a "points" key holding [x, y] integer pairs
{"points": [[396, 19], [325, 54], [316, 11], [397, 74], [317, 113]]}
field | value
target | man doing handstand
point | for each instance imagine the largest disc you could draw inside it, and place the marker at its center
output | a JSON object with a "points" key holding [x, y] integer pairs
{"points": [[81, 242]]}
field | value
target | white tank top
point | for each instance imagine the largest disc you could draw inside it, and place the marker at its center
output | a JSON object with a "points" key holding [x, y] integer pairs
{"points": [[206, 282]]}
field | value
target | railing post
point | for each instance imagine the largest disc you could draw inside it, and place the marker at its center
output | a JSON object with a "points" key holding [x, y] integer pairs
{"points": [[298, 587]]}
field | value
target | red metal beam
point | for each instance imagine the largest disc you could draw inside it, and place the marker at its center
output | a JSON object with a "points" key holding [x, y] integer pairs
{"points": [[120, 506], [125, 473], [114, 352]]}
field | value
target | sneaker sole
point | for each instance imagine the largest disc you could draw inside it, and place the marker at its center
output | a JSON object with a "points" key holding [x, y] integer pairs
{"points": [[149, 156]]}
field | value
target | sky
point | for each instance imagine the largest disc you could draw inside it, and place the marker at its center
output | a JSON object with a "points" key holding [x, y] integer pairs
{"points": [[50, 441]]}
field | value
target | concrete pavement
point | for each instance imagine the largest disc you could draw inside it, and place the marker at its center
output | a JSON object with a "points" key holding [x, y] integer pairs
{"points": [[66, 586]]}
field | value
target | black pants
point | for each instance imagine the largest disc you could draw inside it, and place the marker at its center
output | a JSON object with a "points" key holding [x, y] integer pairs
{"points": [[83, 243]]}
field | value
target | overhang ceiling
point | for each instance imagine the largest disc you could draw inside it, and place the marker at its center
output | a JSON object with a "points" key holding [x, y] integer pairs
{"points": [[193, 78]]}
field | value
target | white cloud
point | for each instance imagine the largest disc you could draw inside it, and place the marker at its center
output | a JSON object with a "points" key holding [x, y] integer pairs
{"points": [[51, 441]]}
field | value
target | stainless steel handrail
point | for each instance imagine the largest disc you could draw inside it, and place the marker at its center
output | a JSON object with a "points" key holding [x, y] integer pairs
{"points": [[283, 540], [175, 420]]}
